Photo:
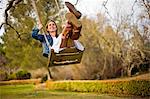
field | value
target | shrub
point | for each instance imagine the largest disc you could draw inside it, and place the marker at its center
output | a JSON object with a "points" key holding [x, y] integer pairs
{"points": [[3, 75], [44, 78], [23, 75], [116, 87], [20, 82], [12, 77], [144, 67]]}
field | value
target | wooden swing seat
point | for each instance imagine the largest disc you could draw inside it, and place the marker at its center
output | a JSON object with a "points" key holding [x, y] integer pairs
{"points": [[65, 57]]}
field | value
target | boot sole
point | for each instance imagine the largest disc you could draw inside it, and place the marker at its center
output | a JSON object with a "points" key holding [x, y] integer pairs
{"points": [[73, 10]]}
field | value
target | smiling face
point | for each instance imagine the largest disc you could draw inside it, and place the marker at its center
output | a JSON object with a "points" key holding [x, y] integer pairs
{"points": [[51, 27]]}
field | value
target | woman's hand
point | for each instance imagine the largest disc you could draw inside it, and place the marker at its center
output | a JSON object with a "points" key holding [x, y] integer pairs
{"points": [[40, 26], [65, 37]]}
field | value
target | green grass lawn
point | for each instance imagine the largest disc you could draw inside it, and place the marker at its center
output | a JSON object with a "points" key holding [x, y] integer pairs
{"points": [[27, 92]]}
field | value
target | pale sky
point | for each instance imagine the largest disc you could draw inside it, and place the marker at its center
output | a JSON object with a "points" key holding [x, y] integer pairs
{"points": [[90, 8], [2, 9], [87, 7]]}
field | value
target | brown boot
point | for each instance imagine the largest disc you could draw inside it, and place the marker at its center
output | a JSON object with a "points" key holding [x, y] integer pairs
{"points": [[73, 20], [76, 33], [66, 30], [63, 43], [67, 42], [76, 25], [73, 10], [70, 43]]}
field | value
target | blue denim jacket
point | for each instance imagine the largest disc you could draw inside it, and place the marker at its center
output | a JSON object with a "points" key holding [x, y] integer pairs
{"points": [[41, 38]]}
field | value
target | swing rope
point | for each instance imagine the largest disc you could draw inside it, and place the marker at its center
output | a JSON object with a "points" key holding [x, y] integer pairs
{"points": [[59, 10], [42, 30], [38, 17]]}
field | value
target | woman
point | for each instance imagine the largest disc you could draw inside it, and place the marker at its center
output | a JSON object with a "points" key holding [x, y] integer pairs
{"points": [[56, 42]]}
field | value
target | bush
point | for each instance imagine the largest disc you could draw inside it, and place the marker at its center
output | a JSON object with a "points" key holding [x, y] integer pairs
{"points": [[23, 75], [116, 87], [12, 77], [44, 78], [20, 82], [144, 67], [3, 75]]}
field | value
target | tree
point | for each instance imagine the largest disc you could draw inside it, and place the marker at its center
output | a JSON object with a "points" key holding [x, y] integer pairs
{"points": [[102, 54], [20, 49], [3, 60]]}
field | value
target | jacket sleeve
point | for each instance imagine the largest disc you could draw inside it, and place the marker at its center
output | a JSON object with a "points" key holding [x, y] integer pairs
{"points": [[37, 36]]}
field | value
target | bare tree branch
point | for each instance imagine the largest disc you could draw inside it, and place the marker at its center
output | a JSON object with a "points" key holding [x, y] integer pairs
{"points": [[133, 8], [76, 2], [146, 4], [106, 10], [19, 36], [11, 4]]}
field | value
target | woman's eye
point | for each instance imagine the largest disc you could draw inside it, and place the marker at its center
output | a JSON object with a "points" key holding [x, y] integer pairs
{"points": [[51, 24]]}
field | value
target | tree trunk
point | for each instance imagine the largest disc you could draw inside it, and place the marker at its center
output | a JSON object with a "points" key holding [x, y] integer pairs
{"points": [[130, 70], [103, 70]]}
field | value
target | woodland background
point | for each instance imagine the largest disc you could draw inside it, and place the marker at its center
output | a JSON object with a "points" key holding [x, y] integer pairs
{"points": [[118, 50]]}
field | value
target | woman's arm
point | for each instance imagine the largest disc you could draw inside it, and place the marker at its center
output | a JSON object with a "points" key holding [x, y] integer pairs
{"points": [[66, 28], [35, 34]]}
